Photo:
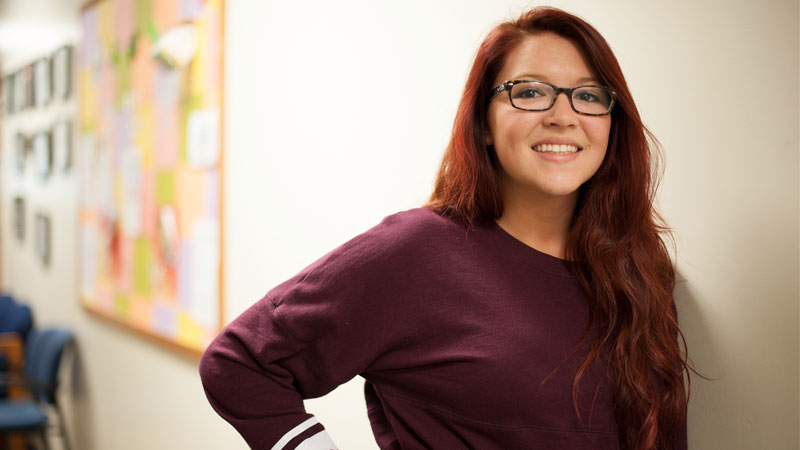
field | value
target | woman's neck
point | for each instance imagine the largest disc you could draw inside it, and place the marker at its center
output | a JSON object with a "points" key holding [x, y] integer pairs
{"points": [[541, 222]]}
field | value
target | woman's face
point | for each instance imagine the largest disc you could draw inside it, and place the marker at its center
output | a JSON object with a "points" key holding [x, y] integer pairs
{"points": [[523, 139]]}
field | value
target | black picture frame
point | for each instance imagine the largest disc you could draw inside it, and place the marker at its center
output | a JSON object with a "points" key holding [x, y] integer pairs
{"points": [[62, 72], [28, 74], [43, 82], [42, 239], [21, 147], [8, 94], [18, 219], [19, 90], [62, 146]]}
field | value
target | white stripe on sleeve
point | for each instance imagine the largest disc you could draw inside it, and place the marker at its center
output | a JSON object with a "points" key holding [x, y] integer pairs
{"points": [[319, 441], [294, 432]]}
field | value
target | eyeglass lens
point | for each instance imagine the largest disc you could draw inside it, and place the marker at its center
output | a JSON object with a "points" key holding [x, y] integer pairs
{"points": [[538, 96]]}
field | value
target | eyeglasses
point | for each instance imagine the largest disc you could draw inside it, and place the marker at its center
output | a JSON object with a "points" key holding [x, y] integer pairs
{"points": [[532, 95]]}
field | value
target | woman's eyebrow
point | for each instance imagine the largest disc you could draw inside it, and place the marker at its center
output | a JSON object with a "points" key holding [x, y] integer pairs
{"points": [[540, 77], [588, 80]]}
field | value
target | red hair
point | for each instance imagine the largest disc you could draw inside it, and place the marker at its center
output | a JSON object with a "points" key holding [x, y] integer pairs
{"points": [[614, 248]]}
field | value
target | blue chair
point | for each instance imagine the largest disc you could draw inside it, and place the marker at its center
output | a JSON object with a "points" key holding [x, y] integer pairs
{"points": [[14, 318], [43, 354]]}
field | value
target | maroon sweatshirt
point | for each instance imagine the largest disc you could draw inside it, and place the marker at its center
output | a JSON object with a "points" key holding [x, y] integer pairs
{"points": [[461, 336]]}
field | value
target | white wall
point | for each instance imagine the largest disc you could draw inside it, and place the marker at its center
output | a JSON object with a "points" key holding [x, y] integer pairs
{"points": [[718, 86]]}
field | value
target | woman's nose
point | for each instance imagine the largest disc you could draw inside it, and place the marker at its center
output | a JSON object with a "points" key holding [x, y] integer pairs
{"points": [[561, 114]]}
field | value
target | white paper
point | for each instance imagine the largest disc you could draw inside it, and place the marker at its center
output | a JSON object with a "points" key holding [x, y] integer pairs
{"points": [[131, 192], [87, 167], [177, 46], [202, 138], [105, 183], [89, 247], [168, 232], [203, 274]]}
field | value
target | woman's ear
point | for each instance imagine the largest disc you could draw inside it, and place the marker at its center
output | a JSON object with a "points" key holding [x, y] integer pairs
{"points": [[487, 137]]}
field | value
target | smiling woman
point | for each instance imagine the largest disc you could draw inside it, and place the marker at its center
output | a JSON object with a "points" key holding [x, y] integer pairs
{"points": [[527, 305], [547, 150]]}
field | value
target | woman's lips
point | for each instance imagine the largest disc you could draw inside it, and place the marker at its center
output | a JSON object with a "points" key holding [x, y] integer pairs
{"points": [[559, 149], [557, 152]]}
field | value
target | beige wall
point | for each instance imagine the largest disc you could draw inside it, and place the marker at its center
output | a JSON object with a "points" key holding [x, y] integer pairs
{"points": [[718, 85]]}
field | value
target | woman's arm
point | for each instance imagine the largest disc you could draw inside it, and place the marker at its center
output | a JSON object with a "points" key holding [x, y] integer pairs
{"points": [[254, 374]]}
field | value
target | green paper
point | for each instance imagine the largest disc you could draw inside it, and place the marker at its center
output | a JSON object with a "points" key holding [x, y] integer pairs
{"points": [[122, 306], [165, 188], [141, 266]]}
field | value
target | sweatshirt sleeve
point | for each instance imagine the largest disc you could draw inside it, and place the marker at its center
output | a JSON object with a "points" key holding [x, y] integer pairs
{"points": [[304, 338]]}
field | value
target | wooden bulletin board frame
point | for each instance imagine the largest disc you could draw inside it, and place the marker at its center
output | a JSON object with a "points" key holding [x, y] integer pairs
{"points": [[150, 133]]}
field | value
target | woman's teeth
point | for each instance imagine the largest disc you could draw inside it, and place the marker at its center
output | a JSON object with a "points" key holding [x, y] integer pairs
{"points": [[558, 149]]}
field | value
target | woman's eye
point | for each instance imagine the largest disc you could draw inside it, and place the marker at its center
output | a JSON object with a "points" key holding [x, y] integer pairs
{"points": [[587, 97], [528, 93]]}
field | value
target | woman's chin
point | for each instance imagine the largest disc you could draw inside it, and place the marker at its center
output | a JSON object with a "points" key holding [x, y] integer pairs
{"points": [[559, 190]]}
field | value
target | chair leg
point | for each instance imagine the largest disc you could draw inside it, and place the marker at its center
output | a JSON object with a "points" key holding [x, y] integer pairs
{"points": [[43, 437], [14, 441], [62, 427]]}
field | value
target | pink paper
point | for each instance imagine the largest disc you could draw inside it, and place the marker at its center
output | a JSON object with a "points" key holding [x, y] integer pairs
{"points": [[165, 319]]}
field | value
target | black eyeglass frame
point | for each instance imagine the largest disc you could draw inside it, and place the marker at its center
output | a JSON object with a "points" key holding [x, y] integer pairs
{"points": [[507, 85]]}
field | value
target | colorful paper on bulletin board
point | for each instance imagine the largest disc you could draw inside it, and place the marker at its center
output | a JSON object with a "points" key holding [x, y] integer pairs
{"points": [[150, 90]]}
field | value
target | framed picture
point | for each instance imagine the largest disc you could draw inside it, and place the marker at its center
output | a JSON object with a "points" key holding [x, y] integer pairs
{"points": [[30, 86], [8, 94], [43, 82], [62, 72], [21, 145], [62, 146], [42, 238], [19, 218], [43, 153], [19, 90]]}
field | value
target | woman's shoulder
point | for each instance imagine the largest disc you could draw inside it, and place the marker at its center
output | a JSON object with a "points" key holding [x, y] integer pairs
{"points": [[418, 221], [399, 238]]}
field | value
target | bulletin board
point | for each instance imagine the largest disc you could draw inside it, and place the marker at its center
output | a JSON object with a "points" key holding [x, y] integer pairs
{"points": [[149, 76]]}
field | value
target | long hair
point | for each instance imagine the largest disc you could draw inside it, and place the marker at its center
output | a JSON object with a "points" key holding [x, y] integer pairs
{"points": [[614, 247]]}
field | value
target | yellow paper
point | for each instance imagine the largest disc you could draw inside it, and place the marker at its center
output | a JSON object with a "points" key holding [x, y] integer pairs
{"points": [[144, 16], [142, 262], [143, 133], [165, 188], [212, 54], [189, 332], [121, 306], [197, 74], [88, 101], [105, 24], [119, 186]]}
